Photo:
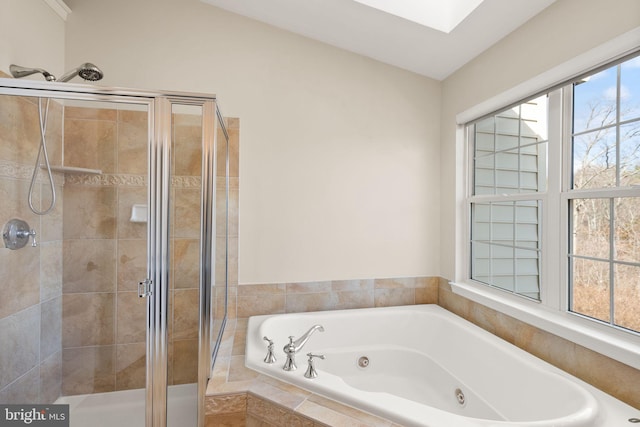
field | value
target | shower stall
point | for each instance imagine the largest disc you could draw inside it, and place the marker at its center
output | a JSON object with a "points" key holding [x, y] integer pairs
{"points": [[113, 301]]}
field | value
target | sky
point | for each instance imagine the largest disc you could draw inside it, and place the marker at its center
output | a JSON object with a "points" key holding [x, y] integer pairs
{"points": [[598, 94]]}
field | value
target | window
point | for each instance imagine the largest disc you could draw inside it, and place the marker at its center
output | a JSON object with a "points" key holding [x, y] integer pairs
{"points": [[518, 198], [604, 245], [509, 174]]}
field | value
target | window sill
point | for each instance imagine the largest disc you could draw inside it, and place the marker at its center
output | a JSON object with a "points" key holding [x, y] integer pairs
{"points": [[616, 344]]}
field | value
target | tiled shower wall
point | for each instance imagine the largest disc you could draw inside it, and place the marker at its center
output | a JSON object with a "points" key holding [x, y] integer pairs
{"points": [[31, 277]]}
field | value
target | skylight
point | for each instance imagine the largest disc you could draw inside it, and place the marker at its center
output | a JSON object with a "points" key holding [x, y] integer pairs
{"points": [[437, 14]]}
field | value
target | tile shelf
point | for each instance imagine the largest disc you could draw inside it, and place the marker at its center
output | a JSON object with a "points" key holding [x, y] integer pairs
{"points": [[71, 169]]}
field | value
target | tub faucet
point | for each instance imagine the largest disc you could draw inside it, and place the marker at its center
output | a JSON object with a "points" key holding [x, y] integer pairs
{"points": [[295, 346]]}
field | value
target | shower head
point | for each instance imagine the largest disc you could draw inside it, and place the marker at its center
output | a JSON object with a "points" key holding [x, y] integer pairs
{"points": [[18, 71], [87, 71]]}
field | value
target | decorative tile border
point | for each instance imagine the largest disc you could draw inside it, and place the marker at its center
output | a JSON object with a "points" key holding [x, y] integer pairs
{"points": [[106, 180], [15, 170]]}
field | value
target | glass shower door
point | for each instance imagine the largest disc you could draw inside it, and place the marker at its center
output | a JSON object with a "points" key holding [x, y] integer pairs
{"points": [[135, 216], [72, 325]]}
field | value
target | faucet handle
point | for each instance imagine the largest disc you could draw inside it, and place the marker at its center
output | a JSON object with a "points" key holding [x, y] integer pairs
{"points": [[311, 369], [270, 357]]}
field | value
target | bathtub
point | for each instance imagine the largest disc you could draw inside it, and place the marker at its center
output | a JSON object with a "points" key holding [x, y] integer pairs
{"points": [[424, 366]]}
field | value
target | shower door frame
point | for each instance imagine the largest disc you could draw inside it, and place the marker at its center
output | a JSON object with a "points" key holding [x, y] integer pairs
{"points": [[158, 255], [160, 156]]}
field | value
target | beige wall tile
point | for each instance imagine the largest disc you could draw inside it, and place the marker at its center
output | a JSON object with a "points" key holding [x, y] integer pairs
{"points": [[50, 327], [132, 263], [611, 376], [186, 213], [54, 132], [130, 366], [131, 318], [185, 361], [227, 420], [19, 129], [427, 295], [88, 370], [187, 144], [133, 142], [90, 144], [89, 265], [256, 305], [17, 335], [51, 223], [240, 337], [221, 210], [88, 319], [24, 389], [238, 372], [225, 404], [19, 279], [394, 296], [602, 372], [186, 314], [308, 287], [85, 113], [186, 263], [14, 196], [233, 259], [354, 299], [320, 301], [90, 212], [50, 270], [51, 378]]}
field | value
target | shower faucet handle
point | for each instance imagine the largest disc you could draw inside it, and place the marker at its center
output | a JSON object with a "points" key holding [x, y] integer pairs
{"points": [[16, 234], [32, 233]]}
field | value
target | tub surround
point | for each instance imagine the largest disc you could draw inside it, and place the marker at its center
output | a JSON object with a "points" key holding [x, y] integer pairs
{"points": [[237, 395], [419, 376], [615, 378]]}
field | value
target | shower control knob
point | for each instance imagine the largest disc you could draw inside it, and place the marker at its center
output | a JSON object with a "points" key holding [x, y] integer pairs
{"points": [[16, 234]]}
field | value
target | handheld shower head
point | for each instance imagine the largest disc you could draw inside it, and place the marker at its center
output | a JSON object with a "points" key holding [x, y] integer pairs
{"points": [[87, 71], [18, 71]]}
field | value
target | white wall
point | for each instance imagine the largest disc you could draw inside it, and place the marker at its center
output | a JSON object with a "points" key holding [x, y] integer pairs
{"points": [[31, 35], [564, 30], [339, 160]]}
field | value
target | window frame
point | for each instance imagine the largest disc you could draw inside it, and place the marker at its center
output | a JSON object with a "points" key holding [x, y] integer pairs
{"points": [[606, 193], [540, 197], [551, 313]]}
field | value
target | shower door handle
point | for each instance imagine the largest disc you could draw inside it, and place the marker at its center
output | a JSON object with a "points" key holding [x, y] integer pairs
{"points": [[144, 288]]}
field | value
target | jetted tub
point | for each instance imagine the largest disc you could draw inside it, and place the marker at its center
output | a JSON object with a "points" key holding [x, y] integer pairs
{"points": [[424, 366]]}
